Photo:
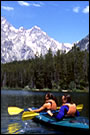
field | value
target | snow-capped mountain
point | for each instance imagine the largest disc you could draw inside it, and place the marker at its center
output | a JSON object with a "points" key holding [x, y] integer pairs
{"points": [[21, 44], [84, 43]]}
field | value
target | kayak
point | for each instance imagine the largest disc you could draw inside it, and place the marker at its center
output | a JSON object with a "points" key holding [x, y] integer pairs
{"points": [[68, 123], [72, 124]]}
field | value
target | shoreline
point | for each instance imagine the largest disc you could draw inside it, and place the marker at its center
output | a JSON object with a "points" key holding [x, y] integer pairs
{"points": [[45, 90]]}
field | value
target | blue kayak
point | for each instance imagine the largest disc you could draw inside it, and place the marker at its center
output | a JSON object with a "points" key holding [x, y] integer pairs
{"points": [[71, 123]]}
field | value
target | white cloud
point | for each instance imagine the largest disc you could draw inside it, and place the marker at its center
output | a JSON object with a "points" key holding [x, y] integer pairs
{"points": [[22, 3], [36, 5], [86, 9], [7, 8], [76, 9]]}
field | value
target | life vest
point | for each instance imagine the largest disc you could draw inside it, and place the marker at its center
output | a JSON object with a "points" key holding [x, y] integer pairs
{"points": [[53, 105], [72, 109]]}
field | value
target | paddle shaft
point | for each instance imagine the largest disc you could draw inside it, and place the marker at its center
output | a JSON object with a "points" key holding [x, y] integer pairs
{"points": [[17, 110], [30, 114]]}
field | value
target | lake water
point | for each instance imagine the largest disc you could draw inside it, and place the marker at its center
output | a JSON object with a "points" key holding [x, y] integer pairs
{"points": [[26, 99]]}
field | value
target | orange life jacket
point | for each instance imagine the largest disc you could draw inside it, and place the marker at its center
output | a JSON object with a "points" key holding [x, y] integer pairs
{"points": [[53, 105], [72, 109]]}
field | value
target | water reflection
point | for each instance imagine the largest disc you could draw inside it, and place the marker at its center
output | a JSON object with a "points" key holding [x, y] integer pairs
{"points": [[14, 128], [25, 99]]}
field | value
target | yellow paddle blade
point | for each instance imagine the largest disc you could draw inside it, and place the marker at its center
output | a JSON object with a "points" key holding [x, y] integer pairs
{"points": [[80, 107], [29, 115], [14, 110]]}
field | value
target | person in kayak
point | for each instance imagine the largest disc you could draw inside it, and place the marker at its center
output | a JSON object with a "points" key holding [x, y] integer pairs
{"points": [[50, 103], [68, 108]]}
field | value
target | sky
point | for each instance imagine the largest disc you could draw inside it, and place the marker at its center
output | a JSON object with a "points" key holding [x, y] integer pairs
{"points": [[64, 21]]}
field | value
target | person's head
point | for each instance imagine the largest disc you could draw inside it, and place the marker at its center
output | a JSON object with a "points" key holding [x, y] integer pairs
{"points": [[50, 96], [66, 99]]}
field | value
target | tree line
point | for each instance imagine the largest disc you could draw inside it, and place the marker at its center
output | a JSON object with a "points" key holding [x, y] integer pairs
{"points": [[60, 71]]}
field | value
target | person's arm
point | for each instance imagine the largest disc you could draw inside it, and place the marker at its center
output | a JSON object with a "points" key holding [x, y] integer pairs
{"points": [[45, 106], [59, 115], [63, 111], [50, 113]]}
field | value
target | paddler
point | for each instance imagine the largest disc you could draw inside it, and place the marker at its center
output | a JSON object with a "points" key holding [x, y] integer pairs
{"points": [[50, 103], [68, 108]]}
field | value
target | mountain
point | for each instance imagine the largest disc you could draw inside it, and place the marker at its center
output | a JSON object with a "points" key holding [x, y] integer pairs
{"points": [[21, 44], [84, 43]]}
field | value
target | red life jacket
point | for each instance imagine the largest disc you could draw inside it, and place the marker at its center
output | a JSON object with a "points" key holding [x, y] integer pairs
{"points": [[72, 109]]}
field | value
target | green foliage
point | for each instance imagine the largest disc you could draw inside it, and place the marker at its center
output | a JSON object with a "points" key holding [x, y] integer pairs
{"points": [[72, 85], [61, 71]]}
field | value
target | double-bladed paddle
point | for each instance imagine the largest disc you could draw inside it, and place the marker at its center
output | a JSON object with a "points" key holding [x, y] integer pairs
{"points": [[17, 110], [30, 114]]}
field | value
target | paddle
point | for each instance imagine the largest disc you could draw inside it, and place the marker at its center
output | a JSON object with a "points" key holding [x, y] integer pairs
{"points": [[79, 107], [17, 110], [30, 115]]}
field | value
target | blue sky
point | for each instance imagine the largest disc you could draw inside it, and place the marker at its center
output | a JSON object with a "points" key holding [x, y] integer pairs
{"points": [[64, 21]]}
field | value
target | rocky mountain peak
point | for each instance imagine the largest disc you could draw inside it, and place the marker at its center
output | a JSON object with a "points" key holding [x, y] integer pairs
{"points": [[21, 44]]}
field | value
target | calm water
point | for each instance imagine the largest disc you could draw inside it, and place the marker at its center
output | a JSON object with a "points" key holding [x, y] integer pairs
{"points": [[25, 99]]}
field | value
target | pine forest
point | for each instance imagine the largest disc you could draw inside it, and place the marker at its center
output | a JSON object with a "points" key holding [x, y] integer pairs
{"points": [[60, 71]]}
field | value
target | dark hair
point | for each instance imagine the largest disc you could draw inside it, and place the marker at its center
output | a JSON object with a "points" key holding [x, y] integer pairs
{"points": [[51, 96], [69, 99], [65, 96]]}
